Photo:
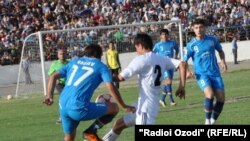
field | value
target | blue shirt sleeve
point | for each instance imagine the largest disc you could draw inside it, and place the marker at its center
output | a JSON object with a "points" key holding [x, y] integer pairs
{"points": [[63, 70], [155, 49], [105, 74], [188, 53], [176, 47]]}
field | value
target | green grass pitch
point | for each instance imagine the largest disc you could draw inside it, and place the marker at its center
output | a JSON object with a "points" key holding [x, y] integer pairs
{"points": [[27, 119]]}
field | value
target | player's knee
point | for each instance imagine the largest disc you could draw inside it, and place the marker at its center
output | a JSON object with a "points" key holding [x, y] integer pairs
{"points": [[69, 137], [129, 119], [220, 96], [209, 92], [168, 80], [119, 126], [221, 100], [113, 108]]}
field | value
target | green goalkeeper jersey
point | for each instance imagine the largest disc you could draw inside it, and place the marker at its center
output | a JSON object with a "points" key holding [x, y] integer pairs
{"points": [[56, 65]]}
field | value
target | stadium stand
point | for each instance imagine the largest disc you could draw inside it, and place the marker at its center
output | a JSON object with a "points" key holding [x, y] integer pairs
{"points": [[20, 18]]}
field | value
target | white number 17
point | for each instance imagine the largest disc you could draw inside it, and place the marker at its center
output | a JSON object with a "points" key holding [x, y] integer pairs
{"points": [[88, 72]]}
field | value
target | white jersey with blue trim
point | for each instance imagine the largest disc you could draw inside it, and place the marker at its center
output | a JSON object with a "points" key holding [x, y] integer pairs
{"points": [[149, 68]]}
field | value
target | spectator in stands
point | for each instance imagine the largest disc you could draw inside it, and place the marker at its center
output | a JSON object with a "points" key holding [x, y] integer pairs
{"points": [[55, 66], [118, 36], [235, 49], [6, 59], [25, 64], [113, 61], [75, 54]]}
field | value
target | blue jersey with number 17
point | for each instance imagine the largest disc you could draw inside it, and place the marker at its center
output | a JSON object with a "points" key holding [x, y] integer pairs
{"points": [[83, 76], [203, 55]]}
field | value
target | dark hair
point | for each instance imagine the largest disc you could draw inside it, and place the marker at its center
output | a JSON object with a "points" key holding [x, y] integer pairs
{"points": [[93, 50], [111, 42], [61, 49], [164, 31], [144, 39], [199, 21]]}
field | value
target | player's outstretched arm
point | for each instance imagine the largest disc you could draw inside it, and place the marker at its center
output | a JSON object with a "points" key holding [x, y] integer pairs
{"points": [[118, 78], [51, 86], [180, 92]]}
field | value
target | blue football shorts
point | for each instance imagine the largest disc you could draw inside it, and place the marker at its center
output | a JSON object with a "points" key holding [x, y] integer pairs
{"points": [[215, 82], [71, 118], [168, 74]]}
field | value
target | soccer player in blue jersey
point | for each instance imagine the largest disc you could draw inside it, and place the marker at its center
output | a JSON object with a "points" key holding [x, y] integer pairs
{"points": [[206, 69], [83, 76], [169, 48]]}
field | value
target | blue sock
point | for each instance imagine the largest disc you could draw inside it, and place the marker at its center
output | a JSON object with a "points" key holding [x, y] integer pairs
{"points": [[171, 98], [163, 97], [93, 127], [217, 109], [208, 106], [168, 90]]}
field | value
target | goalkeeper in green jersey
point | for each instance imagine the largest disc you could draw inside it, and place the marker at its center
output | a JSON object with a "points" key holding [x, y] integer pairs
{"points": [[56, 65]]}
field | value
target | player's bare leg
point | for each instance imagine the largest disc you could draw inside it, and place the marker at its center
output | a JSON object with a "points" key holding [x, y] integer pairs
{"points": [[121, 124], [91, 132], [70, 137]]}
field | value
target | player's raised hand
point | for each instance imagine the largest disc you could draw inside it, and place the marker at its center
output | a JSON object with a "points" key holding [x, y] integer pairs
{"points": [[180, 92], [48, 101]]}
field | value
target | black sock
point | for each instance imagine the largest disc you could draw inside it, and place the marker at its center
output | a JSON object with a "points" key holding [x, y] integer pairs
{"points": [[98, 124]]}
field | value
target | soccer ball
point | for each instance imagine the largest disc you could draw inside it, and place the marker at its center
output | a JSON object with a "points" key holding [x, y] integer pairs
{"points": [[105, 98], [9, 97]]}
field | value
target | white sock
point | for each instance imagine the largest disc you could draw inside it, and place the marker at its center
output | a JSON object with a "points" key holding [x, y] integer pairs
{"points": [[207, 122], [110, 136], [212, 121]]}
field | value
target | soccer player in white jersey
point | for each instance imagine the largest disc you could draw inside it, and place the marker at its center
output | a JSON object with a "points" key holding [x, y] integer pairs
{"points": [[206, 69], [83, 76], [149, 67]]}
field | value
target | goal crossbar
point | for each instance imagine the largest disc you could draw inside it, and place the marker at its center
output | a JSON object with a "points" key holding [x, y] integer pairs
{"points": [[40, 40]]}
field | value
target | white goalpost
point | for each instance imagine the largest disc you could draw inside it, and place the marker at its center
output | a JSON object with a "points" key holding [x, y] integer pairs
{"points": [[40, 47]]}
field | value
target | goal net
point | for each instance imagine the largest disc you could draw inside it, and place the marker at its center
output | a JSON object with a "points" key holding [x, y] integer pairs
{"points": [[40, 48]]}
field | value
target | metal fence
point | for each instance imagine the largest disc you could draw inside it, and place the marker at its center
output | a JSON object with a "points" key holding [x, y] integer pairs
{"points": [[76, 39], [224, 34], [123, 37]]}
